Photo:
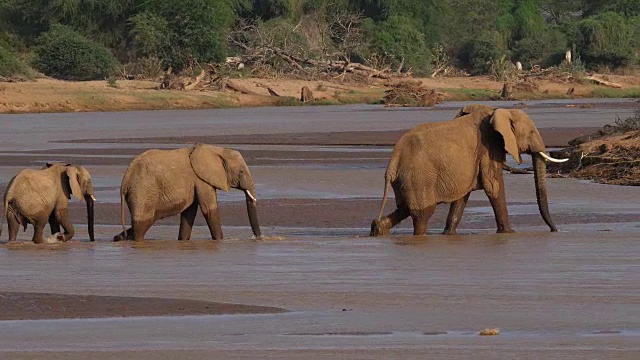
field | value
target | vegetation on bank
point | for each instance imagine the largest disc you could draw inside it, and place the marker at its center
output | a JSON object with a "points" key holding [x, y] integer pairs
{"points": [[95, 39], [609, 156]]}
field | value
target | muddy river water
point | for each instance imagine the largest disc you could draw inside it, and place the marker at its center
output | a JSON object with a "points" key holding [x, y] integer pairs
{"points": [[319, 171]]}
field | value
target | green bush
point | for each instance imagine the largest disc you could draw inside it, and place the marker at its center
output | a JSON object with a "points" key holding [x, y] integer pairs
{"points": [[546, 48], [63, 53], [478, 54], [184, 33], [397, 38], [11, 66], [606, 39]]}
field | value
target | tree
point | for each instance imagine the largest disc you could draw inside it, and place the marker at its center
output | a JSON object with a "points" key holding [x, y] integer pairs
{"points": [[183, 33]]}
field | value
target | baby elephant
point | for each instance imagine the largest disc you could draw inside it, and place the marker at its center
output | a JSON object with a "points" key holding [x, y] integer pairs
{"points": [[161, 183], [40, 196]]}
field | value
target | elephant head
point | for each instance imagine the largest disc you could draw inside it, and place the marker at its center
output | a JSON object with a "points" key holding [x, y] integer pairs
{"points": [[519, 135], [473, 108], [225, 169], [76, 182]]}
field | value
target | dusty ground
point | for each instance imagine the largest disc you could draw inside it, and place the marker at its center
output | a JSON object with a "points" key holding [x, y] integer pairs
{"points": [[47, 95]]}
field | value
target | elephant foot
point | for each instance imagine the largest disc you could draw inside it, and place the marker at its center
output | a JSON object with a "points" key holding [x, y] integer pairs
{"points": [[123, 236], [120, 237], [380, 228], [505, 231], [449, 232]]}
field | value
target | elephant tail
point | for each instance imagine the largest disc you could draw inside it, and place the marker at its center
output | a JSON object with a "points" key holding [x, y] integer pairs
{"points": [[4, 214], [384, 197], [124, 227], [389, 176]]}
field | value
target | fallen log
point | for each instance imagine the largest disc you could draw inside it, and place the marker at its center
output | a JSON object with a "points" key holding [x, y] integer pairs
{"points": [[237, 87], [196, 82], [603, 82]]}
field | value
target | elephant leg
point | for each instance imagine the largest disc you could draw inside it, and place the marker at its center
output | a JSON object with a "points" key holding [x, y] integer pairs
{"points": [[497, 198], [455, 215], [208, 201], [140, 228], [54, 224], [38, 231], [13, 225], [186, 221], [421, 219], [384, 225], [62, 217]]}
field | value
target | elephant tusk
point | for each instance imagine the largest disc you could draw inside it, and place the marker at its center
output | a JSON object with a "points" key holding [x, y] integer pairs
{"points": [[544, 155], [251, 196], [93, 198]]}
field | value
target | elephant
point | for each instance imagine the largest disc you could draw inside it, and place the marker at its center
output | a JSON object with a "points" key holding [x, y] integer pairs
{"points": [[161, 183], [443, 162], [40, 196]]}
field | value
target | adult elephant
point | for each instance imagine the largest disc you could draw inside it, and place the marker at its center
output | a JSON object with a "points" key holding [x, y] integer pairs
{"points": [[41, 196], [443, 162], [161, 183]]}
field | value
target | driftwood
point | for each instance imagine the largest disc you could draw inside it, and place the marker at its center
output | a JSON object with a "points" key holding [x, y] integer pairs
{"points": [[411, 93], [240, 88], [603, 82], [306, 94], [507, 90], [272, 92], [196, 82]]}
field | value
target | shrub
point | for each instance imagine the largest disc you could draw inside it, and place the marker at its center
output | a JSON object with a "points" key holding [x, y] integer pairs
{"points": [[606, 39], [63, 53], [477, 55], [546, 48], [397, 38], [11, 66], [184, 33]]}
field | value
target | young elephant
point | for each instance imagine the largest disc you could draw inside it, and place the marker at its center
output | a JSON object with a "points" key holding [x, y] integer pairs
{"points": [[443, 162], [161, 183], [40, 196]]}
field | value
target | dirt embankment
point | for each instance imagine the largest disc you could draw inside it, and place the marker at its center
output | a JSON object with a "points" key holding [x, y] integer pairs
{"points": [[47, 95], [611, 155]]}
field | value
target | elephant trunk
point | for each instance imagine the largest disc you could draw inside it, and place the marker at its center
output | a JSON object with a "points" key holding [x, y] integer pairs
{"points": [[540, 173], [90, 199], [252, 211]]}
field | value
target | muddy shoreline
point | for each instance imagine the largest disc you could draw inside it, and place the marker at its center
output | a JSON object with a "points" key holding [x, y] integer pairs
{"points": [[30, 306]]}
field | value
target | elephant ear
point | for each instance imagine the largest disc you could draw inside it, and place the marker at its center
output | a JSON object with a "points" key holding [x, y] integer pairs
{"points": [[501, 122], [210, 165], [72, 175]]}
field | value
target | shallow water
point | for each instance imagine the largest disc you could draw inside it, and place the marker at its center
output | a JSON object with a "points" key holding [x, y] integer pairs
{"points": [[573, 294]]}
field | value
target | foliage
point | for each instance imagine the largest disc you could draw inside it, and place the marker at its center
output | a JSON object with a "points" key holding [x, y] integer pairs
{"points": [[472, 33], [606, 38], [65, 54], [397, 38], [183, 33], [546, 48], [478, 54], [10, 65]]}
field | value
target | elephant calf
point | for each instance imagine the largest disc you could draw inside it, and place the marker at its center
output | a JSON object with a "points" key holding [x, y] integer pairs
{"points": [[40, 196], [161, 183]]}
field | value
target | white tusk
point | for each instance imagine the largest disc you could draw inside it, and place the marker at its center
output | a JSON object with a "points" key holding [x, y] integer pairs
{"points": [[93, 198], [544, 155], [251, 196]]}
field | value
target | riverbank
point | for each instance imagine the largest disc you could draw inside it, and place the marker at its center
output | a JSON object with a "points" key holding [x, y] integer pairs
{"points": [[48, 95]]}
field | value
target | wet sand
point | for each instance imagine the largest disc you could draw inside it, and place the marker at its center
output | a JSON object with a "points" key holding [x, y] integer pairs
{"points": [[25, 306], [319, 175]]}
